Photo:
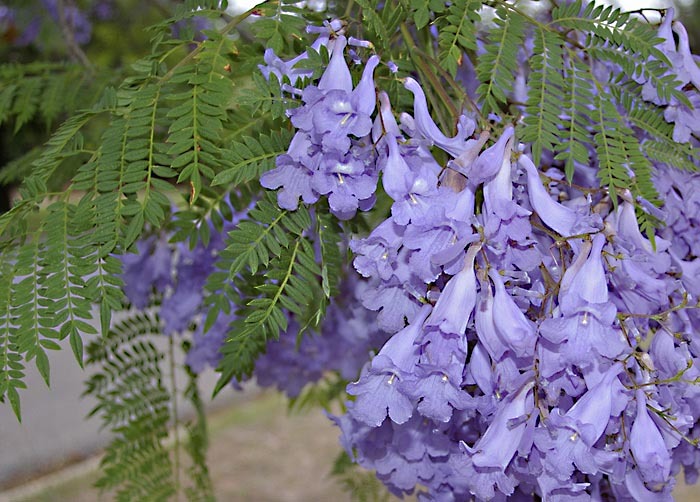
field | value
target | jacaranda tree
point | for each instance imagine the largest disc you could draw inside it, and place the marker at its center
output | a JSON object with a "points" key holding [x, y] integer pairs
{"points": [[470, 229]]}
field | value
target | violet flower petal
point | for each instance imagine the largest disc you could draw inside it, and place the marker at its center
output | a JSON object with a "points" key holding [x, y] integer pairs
{"points": [[337, 74]]}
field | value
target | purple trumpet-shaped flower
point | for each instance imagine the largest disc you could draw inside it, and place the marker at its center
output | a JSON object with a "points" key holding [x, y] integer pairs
{"points": [[427, 128], [485, 325], [586, 324], [456, 303], [690, 67], [506, 224], [385, 123], [413, 190], [563, 451], [397, 175], [489, 162], [639, 493], [395, 300], [364, 97], [639, 257], [562, 219], [341, 113], [497, 446], [480, 369], [568, 439], [575, 267], [347, 182], [400, 349], [498, 193], [377, 391], [515, 330], [278, 67], [437, 391], [376, 254], [294, 180], [593, 410], [462, 164], [429, 245], [686, 120], [589, 284], [648, 447], [335, 119], [337, 74]]}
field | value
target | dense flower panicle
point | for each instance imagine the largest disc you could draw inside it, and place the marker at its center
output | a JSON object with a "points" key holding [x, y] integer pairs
{"points": [[508, 338], [331, 153], [535, 386]]}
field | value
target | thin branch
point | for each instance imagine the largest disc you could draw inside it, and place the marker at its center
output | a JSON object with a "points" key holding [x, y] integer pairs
{"points": [[74, 51], [176, 418]]}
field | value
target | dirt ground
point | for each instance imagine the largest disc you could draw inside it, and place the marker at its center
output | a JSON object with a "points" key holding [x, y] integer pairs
{"points": [[260, 453]]}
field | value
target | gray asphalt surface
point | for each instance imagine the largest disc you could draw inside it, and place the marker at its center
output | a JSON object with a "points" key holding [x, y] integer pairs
{"points": [[54, 429]]}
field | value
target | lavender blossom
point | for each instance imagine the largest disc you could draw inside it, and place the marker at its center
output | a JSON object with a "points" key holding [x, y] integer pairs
{"points": [[647, 445], [377, 392], [430, 131]]}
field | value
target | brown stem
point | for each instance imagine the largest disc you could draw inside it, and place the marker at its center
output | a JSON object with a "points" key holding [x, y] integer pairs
{"points": [[74, 51]]}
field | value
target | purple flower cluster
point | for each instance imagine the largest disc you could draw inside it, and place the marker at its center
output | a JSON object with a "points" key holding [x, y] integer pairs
{"points": [[541, 347], [176, 275], [538, 343], [331, 153], [343, 344]]}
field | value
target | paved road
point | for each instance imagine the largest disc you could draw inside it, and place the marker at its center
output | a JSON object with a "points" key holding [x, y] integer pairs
{"points": [[54, 429]]}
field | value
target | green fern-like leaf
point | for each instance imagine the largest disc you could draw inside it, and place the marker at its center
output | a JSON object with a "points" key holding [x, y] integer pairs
{"points": [[546, 94], [134, 403], [496, 68], [458, 33], [660, 145], [249, 158], [620, 159], [12, 369], [618, 37], [30, 312], [331, 262], [291, 285], [578, 94], [265, 98], [382, 23], [62, 144], [280, 24], [47, 91], [198, 115], [65, 268], [265, 234]]}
